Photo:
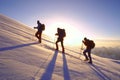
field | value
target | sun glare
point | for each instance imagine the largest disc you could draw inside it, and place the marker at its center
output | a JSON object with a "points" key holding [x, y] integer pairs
{"points": [[73, 36]]}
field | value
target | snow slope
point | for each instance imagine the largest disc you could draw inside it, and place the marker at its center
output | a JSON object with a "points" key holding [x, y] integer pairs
{"points": [[23, 58]]}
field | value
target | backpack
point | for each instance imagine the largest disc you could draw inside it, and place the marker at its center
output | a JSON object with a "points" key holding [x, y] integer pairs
{"points": [[43, 26], [63, 33], [92, 44]]}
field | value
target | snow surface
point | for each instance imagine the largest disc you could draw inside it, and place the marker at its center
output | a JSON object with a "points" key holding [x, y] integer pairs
{"points": [[23, 58]]}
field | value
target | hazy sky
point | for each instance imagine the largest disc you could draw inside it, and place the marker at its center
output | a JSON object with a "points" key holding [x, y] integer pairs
{"points": [[98, 18]]}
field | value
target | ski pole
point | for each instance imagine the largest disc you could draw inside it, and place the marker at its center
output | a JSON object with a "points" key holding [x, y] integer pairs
{"points": [[81, 50], [54, 41]]}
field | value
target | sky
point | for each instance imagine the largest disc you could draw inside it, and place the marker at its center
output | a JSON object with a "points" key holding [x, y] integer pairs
{"points": [[95, 19]]}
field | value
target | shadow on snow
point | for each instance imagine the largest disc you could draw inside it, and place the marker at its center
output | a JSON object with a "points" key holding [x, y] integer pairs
{"points": [[17, 46], [65, 68], [50, 68], [99, 72], [47, 75]]}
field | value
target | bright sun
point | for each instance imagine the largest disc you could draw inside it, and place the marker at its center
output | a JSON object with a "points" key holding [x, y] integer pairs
{"points": [[73, 35]]}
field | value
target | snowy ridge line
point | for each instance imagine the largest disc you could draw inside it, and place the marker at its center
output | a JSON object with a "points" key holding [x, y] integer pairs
{"points": [[99, 72]]}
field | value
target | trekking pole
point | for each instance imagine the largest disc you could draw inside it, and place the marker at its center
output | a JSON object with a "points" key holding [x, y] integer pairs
{"points": [[81, 50], [54, 42]]}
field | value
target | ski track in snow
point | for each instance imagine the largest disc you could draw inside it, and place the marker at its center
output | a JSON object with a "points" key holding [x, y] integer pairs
{"points": [[100, 74]]}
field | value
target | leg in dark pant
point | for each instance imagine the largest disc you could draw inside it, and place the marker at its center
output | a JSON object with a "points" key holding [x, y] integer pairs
{"points": [[57, 44], [89, 55], [38, 35], [84, 53], [62, 47], [58, 40]]}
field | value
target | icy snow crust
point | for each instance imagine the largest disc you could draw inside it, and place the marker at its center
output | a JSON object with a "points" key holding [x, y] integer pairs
{"points": [[23, 58]]}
